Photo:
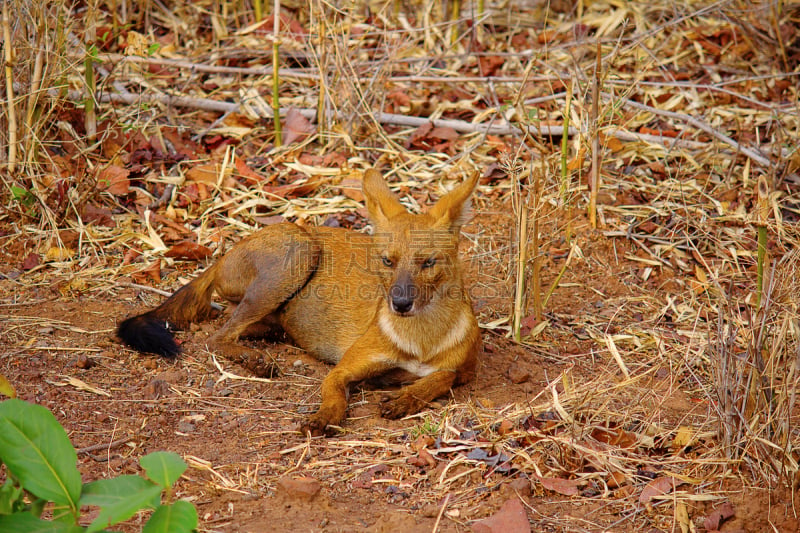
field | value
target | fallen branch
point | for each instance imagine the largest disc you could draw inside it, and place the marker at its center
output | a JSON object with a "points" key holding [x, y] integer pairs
{"points": [[755, 155], [457, 125]]}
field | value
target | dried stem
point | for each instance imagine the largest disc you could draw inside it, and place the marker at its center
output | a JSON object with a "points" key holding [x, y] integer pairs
{"points": [[276, 104], [595, 176], [12, 113]]}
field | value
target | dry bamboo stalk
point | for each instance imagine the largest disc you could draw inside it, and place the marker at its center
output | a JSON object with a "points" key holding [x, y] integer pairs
{"points": [[564, 185], [536, 281], [594, 177], [762, 216], [276, 105], [91, 83], [522, 245], [30, 113], [456, 12], [322, 55], [12, 113]]}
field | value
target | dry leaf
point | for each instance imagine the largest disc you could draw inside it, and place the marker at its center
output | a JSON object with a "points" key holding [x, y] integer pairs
{"points": [[245, 171], [82, 385], [351, 188], [56, 253], [189, 250], [152, 272], [684, 437], [682, 517], [114, 179], [296, 127], [567, 487], [657, 487], [6, 389], [616, 480], [31, 261], [713, 521], [615, 437], [207, 173]]}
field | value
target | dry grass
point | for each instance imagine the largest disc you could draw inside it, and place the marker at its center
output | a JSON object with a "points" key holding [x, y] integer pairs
{"points": [[697, 101]]}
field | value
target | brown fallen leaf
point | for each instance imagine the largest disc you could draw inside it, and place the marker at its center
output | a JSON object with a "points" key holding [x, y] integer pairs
{"points": [[114, 179], [351, 188], [152, 272], [32, 260], [511, 518], [567, 487], [657, 487], [189, 250], [99, 215], [206, 173], [297, 127], [713, 521]]}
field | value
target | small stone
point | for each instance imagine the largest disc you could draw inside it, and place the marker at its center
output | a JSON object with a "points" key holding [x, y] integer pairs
{"points": [[301, 488], [156, 389], [511, 518], [84, 361], [517, 374], [521, 486], [185, 427], [298, 364]]}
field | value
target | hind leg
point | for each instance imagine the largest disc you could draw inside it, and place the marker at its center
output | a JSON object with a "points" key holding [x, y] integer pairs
{"points": [[247, 316], [261, 274]]}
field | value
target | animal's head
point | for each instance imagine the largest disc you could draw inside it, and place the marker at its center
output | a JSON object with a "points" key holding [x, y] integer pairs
{"points": [[416, 256]]}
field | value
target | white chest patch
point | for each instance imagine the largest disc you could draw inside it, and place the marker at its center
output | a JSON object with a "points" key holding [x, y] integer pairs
{"points": [[417, 368], [405, 344], [446, 337]]}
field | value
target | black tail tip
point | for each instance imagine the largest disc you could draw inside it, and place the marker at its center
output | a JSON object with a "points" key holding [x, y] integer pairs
{"points": [[146, 333]]}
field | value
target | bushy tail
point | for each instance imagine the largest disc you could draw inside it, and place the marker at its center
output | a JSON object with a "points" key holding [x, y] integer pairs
{"points": [[151, 332]]}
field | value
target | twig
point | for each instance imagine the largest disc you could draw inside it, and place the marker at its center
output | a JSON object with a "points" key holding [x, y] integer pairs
{"points": [[457, 125], [441, 513], [755, 155], [103, 446]]}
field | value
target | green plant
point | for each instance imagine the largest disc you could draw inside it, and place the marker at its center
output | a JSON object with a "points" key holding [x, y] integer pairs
{"points": [[42, 473]]}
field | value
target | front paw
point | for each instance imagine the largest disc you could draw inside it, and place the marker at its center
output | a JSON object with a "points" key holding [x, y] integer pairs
{"points": [[321, 423], [401, 406]]}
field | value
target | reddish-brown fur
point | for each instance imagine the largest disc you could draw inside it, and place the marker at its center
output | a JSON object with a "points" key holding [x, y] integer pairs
{"points": [[369, 304]]}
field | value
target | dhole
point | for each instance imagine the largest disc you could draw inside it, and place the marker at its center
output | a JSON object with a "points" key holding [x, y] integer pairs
{"points": [[369, 304]]}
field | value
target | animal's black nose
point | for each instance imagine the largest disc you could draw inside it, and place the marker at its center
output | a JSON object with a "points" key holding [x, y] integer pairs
{"points": [[402, 297], [402, 305]]}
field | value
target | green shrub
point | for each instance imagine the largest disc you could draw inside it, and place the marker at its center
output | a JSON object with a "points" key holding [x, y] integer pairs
{"points": [[41, 468]]}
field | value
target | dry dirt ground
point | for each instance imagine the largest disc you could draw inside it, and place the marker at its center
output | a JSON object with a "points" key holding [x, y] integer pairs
{"points": [[442, 470]]}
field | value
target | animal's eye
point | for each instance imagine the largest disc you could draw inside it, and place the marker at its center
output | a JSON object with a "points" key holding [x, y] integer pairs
{"points": [[429, 262], [387, 262]]}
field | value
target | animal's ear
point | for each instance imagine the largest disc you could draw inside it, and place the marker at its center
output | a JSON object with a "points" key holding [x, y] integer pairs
{"points": [[455, 208], [382, 203]]}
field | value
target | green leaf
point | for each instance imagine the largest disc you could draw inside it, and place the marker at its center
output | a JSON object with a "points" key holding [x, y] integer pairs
{"points": [[27, 523], [10, 497], [119, 498], [37, 451], [164, 468], [179, 517]]}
